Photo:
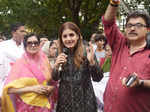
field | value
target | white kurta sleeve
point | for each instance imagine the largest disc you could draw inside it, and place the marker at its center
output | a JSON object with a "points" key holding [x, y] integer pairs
{"points": [[3, 70]]}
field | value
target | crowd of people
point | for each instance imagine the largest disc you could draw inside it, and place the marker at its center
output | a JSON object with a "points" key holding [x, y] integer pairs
{"points": [[107, 74]]}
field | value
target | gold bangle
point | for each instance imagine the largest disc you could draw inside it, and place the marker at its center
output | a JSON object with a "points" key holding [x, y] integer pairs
{"points": [[114, 3]]}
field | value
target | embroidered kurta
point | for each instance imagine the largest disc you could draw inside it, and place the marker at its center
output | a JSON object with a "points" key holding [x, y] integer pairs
{"points": [[75, 93]]}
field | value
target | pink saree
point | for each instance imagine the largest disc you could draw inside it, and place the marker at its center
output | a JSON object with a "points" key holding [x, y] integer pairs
{"points": [[28, 71]]}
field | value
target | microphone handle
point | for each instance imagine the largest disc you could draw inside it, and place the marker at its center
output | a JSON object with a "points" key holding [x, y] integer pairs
{"points": [[65, 50], [60, 67]]}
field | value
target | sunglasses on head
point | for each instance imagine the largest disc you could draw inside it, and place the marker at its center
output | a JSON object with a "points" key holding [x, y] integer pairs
{"points": [[31, 43]]}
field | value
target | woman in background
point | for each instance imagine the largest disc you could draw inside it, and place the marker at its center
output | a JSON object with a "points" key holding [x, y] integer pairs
{"points": [[50, 49], [105, 64], [52, 52], [100, 41]]}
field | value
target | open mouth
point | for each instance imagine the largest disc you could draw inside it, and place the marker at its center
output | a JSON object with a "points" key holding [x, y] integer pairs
{"points": [[70, 43]]}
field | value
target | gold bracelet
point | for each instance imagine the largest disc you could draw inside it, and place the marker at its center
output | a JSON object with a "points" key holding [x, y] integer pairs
{"points": [[114, 3]]}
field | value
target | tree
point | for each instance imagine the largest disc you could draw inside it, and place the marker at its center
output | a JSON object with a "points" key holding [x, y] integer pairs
{"points": [[137, 4], [45, 16]]}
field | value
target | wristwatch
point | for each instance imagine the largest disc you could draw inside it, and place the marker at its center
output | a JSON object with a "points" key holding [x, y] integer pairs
{"points": [[141, 83]]}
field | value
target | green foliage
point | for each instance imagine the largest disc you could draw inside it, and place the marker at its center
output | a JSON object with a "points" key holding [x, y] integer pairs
{"points": [[46, 16]]}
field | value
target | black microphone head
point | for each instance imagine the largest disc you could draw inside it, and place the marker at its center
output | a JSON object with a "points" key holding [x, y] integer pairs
{"points": [[65, 50]]}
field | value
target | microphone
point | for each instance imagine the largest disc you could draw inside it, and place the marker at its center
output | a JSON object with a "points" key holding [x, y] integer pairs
{"points": [[66, 51], [130, 80], [60, 67]]}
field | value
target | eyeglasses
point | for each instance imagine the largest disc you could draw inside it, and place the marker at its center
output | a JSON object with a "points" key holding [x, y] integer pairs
{"points": [[137, 25], [31, 43]]}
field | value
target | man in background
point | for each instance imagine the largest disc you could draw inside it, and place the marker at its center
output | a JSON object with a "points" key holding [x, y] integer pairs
{"points": [[10, 51], [43, 40]]}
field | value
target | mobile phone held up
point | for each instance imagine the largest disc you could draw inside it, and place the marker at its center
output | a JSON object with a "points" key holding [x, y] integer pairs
{"points": [[130, 80]]}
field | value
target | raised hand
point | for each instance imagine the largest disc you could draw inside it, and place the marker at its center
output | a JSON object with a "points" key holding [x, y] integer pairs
{"points": [[90, 54]]}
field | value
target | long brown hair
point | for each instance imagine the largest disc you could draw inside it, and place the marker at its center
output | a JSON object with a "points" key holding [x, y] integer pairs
{"points": [[78, 56]]}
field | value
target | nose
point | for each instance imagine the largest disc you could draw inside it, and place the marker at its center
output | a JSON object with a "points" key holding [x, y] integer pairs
{"points": [[133, 27], [68, 37], [33, 44]]}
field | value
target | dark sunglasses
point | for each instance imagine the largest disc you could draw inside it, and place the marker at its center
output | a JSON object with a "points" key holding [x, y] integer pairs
{"points": [[31, 43]]}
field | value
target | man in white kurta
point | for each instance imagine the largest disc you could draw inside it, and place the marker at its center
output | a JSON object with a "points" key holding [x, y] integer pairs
{"points": [[10, 51]]}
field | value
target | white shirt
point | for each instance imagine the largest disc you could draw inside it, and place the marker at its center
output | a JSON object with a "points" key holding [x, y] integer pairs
{"points": [[100, 55], [99, 87], [9, 53]]}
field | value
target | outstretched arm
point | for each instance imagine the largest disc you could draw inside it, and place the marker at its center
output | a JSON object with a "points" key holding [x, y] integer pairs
{"points": [[111, 11]]}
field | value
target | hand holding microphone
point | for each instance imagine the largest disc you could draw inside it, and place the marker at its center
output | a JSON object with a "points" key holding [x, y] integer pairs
{"points": [[61, 60]]}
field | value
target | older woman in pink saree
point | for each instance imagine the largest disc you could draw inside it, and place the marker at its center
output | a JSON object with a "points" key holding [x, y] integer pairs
{"points": [[26, 88]]}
